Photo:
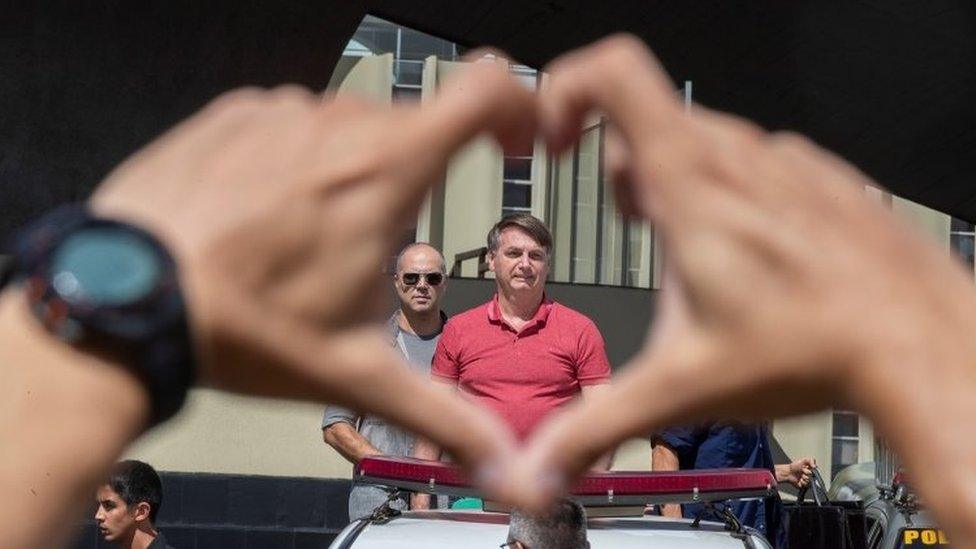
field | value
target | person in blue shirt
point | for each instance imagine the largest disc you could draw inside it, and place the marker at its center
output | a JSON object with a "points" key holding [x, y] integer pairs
{"points": [[729, 444]]}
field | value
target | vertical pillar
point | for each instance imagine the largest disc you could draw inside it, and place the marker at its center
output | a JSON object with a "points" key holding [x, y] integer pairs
{"points": [[473, 190], [430, 221], [371, 77]]}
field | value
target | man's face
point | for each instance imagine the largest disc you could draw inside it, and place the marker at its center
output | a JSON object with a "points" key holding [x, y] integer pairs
{"points": [[116, 521], [520, 263], [415, 279]]}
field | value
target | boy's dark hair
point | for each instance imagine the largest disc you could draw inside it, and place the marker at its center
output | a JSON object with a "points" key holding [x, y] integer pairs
{"points": [[136, 481], [532, 226]]}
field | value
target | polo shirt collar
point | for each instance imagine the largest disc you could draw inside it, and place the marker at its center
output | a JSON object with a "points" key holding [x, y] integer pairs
{"points": [[541, 315]]}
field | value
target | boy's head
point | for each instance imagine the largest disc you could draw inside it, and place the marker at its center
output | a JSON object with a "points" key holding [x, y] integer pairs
{"points": [[129, 500]]}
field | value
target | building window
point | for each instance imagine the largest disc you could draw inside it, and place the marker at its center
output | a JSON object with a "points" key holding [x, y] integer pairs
{"points": [[961, 241], [517, 184], [517, 170], [844, 441]]}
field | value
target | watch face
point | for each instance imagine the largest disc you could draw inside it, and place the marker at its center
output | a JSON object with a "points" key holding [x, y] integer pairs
{"points": [[104, 266]]}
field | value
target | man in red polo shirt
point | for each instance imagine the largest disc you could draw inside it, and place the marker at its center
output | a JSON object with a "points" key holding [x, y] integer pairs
{"points": [[521, 355]]}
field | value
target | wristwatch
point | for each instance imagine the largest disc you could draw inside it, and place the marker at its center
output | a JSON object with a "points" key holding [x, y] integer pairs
{"points": [[109, 287]]}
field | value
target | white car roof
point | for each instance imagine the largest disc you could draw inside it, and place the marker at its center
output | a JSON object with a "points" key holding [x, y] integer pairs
{"points": [[473, 529]]}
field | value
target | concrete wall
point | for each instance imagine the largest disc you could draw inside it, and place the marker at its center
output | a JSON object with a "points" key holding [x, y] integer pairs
{"points": [[807, 435], [222, 433]]}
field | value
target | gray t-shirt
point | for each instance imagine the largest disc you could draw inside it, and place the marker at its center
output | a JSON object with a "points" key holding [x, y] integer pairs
{"points": [[419, 351]]}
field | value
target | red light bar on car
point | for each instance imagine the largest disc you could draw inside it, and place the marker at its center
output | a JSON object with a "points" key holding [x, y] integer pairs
{"points": [[612, 488]]}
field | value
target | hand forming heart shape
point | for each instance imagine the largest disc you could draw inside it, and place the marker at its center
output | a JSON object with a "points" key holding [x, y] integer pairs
{"points": [[787, 290]]}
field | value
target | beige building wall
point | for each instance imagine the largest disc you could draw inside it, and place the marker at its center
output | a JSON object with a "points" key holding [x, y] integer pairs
{"points": [[633, 455], [807, 436], [472, 192], [219, 432], [370, 77]]}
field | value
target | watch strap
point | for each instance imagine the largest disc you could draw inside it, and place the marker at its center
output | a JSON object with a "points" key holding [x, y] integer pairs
{"points": [[163, 359]]}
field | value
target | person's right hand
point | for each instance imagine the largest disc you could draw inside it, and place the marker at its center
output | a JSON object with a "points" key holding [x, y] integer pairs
{"points": [[282, 208], [799, 472], [787, 290]]}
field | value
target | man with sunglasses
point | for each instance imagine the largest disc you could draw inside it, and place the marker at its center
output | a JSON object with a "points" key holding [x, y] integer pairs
{"points": [[521, 355], [414, 329]]}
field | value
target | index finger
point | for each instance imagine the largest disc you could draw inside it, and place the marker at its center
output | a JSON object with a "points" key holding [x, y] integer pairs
{"points": [[483, 99], [620, 77]]}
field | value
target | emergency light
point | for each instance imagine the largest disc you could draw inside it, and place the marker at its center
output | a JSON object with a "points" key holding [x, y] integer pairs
{"points": [[611, 488]]}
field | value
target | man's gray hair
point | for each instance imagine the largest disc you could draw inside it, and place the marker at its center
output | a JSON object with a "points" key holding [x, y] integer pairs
{"points": [[563, 528], [531, 225]]}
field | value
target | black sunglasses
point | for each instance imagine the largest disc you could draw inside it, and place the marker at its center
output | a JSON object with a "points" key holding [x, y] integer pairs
{"points": [[433, 279]]}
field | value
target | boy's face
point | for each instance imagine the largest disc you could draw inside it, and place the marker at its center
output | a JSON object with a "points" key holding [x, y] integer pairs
{"points": [[115, 519]]}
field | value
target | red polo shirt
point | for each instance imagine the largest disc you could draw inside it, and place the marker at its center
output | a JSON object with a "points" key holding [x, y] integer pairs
{"points": [[521, 376]]}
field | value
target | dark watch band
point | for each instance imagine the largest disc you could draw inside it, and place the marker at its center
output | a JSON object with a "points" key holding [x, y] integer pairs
{"points": [[149, 335]]}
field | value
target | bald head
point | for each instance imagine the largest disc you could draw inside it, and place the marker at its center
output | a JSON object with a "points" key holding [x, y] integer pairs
{"points": [[420, 281], [419, 251]]}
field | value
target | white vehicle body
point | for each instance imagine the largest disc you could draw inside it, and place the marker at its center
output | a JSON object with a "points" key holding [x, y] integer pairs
{"points": [[473, 529]]}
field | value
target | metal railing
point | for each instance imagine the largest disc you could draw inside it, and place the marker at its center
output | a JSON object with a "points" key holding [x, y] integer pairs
{"points": [[480, 254]]}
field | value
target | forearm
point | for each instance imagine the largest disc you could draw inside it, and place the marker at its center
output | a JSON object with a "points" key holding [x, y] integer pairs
{"points": [[66, 417], [348, 442], [423, 449], [782, 472], [663, 458]]}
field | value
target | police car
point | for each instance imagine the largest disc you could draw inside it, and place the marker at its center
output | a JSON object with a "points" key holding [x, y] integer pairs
{"points": [[894, 516], [615, 502]]}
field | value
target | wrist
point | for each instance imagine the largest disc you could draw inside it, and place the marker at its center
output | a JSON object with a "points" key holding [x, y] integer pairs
{"points": [[80, 382], [65, 416]]}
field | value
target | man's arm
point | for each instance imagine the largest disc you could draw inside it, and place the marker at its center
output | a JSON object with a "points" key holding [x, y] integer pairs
{"points": [[345, 439], [65, 416], [664, 458], [424, 448]]}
